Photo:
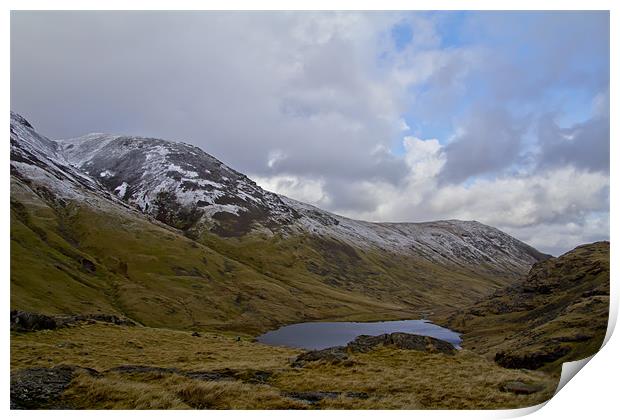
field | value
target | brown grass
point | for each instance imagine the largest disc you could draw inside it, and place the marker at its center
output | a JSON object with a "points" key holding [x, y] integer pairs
{"points": [[172, 392], [392, 379], [416, 380]]}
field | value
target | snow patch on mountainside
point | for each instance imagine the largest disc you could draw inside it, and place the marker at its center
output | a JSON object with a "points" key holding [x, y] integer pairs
{"points": [[39, 164]]}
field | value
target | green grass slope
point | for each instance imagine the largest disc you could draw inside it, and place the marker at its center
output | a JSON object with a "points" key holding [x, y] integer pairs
{"points": [[75, 259], [70, 257]]}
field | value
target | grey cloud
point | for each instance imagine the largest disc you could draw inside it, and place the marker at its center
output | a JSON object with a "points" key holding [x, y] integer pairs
{"points": [[346, 195], [584, 145], [255, 82], [489, 141]]}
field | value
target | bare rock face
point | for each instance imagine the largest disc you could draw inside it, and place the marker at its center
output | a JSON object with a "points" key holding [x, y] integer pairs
{"points": [[559, 312], [531, 360]]}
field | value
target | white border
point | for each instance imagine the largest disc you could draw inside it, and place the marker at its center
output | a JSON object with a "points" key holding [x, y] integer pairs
{"points": [[592, 395]]}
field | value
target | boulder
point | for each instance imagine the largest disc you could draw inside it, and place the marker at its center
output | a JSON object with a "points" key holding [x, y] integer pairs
{"points": [[312, 397], [23, 321]]}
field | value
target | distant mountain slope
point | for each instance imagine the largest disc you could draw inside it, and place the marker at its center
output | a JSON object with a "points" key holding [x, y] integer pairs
{"points": [[167, 235], [558, 313], [158, 175]]}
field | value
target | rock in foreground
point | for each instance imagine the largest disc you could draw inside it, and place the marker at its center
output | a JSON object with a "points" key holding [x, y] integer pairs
{"points": [[366, 343], [41, 387]]}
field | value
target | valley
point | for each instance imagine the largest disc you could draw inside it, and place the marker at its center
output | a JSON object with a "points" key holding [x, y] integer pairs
{"points": [[200, 260]]}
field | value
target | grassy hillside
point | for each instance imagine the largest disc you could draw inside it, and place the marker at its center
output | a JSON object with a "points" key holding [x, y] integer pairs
{"points": [[199, 296], [67, 257], [559, 313], [71, 259]]}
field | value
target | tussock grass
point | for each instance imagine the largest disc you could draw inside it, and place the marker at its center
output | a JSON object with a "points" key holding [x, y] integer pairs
{"points": [[102, 347], [172, 392], [391, 378], [116, 393], [417, 380]]}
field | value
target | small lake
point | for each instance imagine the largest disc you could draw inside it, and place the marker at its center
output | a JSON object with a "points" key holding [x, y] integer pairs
{"points": [[320, 335]]}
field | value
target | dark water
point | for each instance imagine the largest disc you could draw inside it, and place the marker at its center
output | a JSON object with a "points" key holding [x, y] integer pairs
{"points": [[320, 335]]}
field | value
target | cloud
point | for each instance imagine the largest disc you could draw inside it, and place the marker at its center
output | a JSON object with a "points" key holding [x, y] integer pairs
{"points": [[554, 209], [489, 140], [558, 238], [384, 116], [555, 196], [306, 190], [584, 144]]}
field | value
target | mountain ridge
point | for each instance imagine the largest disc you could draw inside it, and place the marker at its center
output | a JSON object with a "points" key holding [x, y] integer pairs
{"points": [[245, 260], [233, 205]]}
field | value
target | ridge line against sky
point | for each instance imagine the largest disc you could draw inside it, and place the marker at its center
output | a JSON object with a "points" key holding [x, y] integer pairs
{"points": [[501, 117]]}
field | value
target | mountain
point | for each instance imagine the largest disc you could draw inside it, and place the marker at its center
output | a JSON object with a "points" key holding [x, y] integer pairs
{"points": [[167, 235], [558, 313], [157, 175]]}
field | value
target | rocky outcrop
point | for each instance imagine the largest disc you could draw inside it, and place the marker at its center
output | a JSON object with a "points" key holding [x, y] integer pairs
{"points": [[314, 397], [557, 313], [41, 388], [23, 321], [366, 343], [27, 321], [226, 374], [404, 341], [520, 388]]}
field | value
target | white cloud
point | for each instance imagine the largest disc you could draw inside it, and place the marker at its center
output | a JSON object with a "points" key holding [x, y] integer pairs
{"points": [[306, 190], [274, 157], [558, 195], [424, 157], [558, 238], [553, 210]]}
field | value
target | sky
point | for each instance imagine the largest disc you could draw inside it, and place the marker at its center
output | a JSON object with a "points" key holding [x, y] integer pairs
{"points": [[500, 117]]}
